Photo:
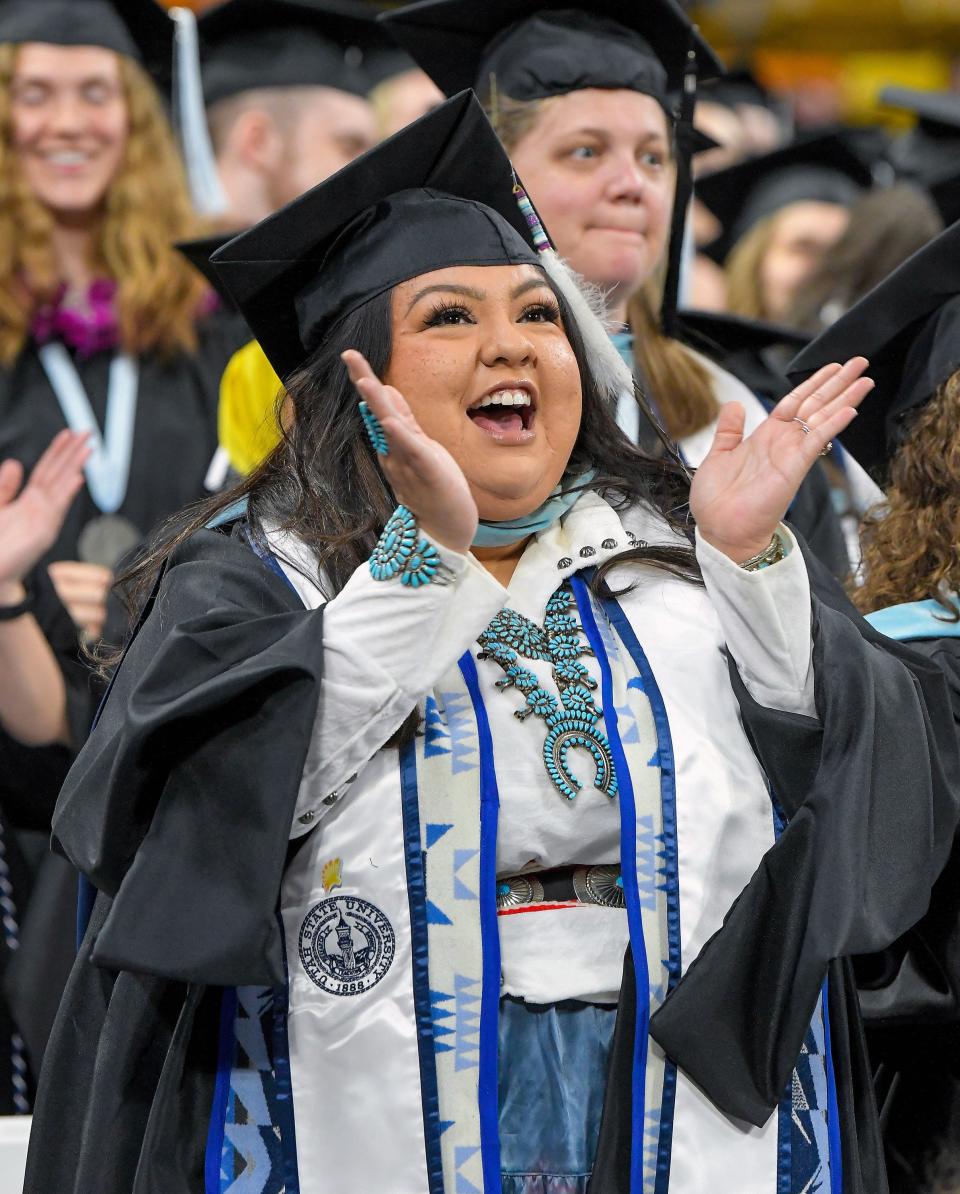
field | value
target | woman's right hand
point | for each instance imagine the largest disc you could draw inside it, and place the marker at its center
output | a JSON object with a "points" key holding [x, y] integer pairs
{"points": [[423, 475], [31, 517]]}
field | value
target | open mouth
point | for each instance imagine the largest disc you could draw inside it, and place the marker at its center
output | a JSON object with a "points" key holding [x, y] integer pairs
{"points": [[506, 414]]}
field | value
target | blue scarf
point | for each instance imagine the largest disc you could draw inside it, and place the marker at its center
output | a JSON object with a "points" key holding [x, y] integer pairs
{"points": [[489, 534], [499, 534]]}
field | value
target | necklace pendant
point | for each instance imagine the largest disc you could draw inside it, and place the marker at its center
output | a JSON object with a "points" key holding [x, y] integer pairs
{"points": [[571, 722]]}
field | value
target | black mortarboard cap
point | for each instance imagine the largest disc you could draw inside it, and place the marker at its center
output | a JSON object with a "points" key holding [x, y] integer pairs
{"points": [[198, 252], [744, 347], [817, 168], [536, 49], [929, 154], [249, 44], [438, 193], [138, 29], [909, 329], [739, 86]]}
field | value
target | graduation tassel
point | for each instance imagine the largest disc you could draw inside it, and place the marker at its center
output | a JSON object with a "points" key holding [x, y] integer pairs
{"points": [[190, 118], [685, 135], [609, 370]]}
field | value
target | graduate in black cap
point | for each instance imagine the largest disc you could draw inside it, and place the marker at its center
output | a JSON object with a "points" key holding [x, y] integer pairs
{"points": [[779, 214], [587, 103], [102, 326], [466, 774], [285, 98], [910, 325]]}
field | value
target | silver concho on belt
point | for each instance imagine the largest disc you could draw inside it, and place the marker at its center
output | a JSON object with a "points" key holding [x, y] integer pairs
{"points": [[346, 945]]}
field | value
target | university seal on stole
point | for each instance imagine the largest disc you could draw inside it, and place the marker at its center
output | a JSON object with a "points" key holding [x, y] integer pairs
{"points": [[346, 945]]}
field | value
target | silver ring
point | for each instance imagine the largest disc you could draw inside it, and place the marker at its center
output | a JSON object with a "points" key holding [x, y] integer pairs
{"points": [[804, 427], [827, 450]]}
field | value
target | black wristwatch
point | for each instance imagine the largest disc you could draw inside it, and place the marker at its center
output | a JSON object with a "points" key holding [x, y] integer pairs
{"points": [[9, 612]]}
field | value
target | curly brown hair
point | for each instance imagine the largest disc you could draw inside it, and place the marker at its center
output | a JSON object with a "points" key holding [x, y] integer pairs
{"points": [[911, 543], [147, 209]]}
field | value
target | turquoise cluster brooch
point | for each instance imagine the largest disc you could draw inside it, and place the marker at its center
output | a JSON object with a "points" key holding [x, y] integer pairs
{"points": [[572, 721]]}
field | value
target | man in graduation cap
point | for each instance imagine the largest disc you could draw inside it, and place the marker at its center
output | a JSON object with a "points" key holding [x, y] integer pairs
{"points": [[454, 904], [907, 437], [286, 102]]}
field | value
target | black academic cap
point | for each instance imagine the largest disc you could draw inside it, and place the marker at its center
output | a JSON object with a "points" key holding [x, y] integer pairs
{"points": [[198, 252], [909, 329], [537, 49], [816, 168], [376, 52], [929, 154], [720, 333], [249, 44], [438, 193], [139, 29], [739, 86], [743, 347]]}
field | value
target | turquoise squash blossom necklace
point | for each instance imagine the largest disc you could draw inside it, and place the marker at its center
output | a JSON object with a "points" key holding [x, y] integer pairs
{"points": [[572, 722]]}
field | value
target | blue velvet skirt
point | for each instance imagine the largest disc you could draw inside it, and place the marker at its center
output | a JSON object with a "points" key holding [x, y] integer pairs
{"points": [[553, 1072]]}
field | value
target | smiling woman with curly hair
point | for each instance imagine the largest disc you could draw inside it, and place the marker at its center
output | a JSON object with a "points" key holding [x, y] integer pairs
{"points": [[103, 325]]}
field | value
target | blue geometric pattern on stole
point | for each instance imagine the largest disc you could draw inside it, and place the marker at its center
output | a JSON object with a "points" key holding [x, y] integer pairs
{"points": [[251, 1161], [464, 1185], [435, 731], [809, 1111], [462, 730], [658, 1121], [803, 1151]]}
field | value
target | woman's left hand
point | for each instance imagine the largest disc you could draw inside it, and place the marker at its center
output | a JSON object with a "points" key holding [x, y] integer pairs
{"points": [[744, 486]]}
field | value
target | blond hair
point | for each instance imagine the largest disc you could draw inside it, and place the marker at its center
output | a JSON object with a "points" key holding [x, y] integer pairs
{"points": [[147, 208], [742, 267]]}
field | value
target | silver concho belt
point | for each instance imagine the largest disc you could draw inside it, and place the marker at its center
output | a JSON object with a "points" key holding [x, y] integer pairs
{"points": [[602, 884]]}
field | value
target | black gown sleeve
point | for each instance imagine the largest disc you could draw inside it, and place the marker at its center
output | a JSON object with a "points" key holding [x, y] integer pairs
{"points": [[179, 806], [871, 790]]}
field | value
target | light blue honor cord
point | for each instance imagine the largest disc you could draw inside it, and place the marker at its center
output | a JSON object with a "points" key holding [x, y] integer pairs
{"points": [[499, 534], [108, 469]]}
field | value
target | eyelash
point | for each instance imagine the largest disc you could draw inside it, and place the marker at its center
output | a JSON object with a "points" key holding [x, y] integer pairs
{"points": [[550, 313]]}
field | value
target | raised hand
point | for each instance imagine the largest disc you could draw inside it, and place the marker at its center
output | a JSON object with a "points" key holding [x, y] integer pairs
{"points": [[423, 475], [31, 516], [744, 486]]}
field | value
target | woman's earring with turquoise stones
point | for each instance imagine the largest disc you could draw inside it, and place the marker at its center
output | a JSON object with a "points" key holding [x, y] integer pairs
{"points": [[374, 429], [400, 552]]}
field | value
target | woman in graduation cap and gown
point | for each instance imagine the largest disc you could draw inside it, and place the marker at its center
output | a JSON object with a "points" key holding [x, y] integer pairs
{"points": [[595, 108], [382, 795], [103, 323], [907, 439]]}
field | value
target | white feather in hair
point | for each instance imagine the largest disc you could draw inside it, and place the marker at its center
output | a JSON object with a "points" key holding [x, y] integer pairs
{"points": [[610, 372]]}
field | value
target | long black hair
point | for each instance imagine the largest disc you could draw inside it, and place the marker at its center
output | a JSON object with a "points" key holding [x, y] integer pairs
{"points": [[323, 484]]}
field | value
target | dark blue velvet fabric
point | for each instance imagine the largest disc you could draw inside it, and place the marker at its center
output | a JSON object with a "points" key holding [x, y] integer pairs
{"points": [[553, 1071]]}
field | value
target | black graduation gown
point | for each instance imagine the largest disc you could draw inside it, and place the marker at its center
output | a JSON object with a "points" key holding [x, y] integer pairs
{"points": [[857, 868], [908, 996], [175, 433], [33, 975], [179, 810]]}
